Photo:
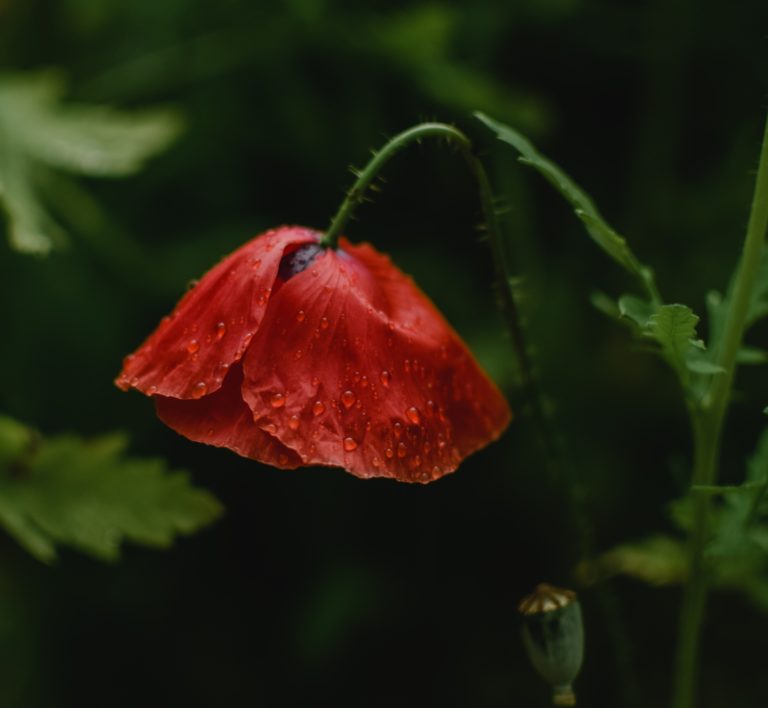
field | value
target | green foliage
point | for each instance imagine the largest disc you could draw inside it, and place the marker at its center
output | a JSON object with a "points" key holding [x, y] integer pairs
{"points": [[737, 551], [599, 230], [89, 495], [39, 132]]}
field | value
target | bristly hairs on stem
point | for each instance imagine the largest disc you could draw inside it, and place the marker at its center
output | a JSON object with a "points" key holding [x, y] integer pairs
{"points": [[505, 290]]}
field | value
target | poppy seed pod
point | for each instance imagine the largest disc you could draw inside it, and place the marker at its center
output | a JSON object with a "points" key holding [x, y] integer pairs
{"points": [[295, 354], [554, 638]]}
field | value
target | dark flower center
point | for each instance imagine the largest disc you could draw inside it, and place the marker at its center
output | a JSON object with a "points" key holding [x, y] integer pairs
{"points": [[296, 261]]}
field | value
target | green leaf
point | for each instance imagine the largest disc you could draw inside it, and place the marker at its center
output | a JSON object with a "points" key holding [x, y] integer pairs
{"points": [[658, 560], [599, 230], [89, 495], [38, 131], [674, 328], [636, 309]]}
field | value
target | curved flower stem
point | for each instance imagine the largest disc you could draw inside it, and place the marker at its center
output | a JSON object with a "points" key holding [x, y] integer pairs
{"points": [[506, 294], [708, 421]]}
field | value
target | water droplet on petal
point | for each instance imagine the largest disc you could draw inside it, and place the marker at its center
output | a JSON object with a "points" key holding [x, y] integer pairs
{"points": [[199, 389], [349, 444], [385, 377], [300, 315], [413, 415], [415, 462], [151, 390], [298, 354], [397, 428], [282, 459], [407, 366], [348, 399], [388, 452], [402, 450], [271, 428], [323, 323], [193, 346], [436, 471], [318, 408], [364, 381], [293, 422], [376, 462], [277, 400], [221, 330]]}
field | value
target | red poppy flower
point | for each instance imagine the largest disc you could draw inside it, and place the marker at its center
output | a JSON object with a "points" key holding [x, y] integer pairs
{"points": [[292, 354]]}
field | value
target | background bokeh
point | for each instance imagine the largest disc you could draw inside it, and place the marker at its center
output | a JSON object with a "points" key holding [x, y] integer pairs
{"points": [[317, 588]]}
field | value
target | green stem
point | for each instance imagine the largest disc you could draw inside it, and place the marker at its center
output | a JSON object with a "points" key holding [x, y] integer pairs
{"points": [[708, 419], [508, 304]]}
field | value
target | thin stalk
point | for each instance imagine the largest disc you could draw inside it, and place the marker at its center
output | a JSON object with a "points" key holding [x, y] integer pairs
{"points": [[708, 419], [510, 310]]}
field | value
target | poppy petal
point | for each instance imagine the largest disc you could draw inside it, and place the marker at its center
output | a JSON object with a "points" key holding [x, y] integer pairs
{"points": [[222, 419], [189, 353], [354, 367]]}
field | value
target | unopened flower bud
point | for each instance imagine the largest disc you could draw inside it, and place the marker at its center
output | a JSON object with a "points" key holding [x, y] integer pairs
{"points": [[554, 638]]}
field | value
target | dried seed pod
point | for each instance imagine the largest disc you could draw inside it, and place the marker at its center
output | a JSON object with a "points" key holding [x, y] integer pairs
{"points": [[554, 638]]}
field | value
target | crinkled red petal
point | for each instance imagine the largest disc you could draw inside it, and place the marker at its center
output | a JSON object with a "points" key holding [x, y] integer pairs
{"points": [[224, 420], [354, 367], [189, 353]]}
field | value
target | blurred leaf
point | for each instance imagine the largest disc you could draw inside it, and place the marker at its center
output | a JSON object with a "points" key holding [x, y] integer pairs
{"points": [[658, 560], [636, 309], [38, 131], [674, 328], [599, 230], [89, 495], [419, 40]]}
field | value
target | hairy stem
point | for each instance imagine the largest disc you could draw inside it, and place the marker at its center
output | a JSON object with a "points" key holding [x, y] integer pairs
{"points": [[508, 304], [708, 419]]}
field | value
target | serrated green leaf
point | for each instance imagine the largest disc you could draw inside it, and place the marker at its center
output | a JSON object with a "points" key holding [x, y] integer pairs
{"points": [[599, 230], [38, 131], [674, 328], [89, 495]]}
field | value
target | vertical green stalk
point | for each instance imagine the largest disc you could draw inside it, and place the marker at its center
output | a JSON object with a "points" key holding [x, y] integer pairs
{"points": [[707, 423]]}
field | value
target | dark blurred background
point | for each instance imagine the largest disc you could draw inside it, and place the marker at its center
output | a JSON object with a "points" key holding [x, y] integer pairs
{"points": [[318, 588]]}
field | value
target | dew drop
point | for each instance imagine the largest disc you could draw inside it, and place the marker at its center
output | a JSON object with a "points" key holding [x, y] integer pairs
{"points": [[349, 444], [388, 452], [324, 323], [221, 330], [199, 389], [402, 450], [398, 429], [348, 399], [385, 377], [407, 366], [298, 354], [255, 263], [364, 381], [436, 471], [277, 400], [293, 422], [376, 462], [151, 390], [413, 415], [282, 459], [415, 462], [271, 428], [193, 346], [315, 381], [300, 315], [318, 408]]}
